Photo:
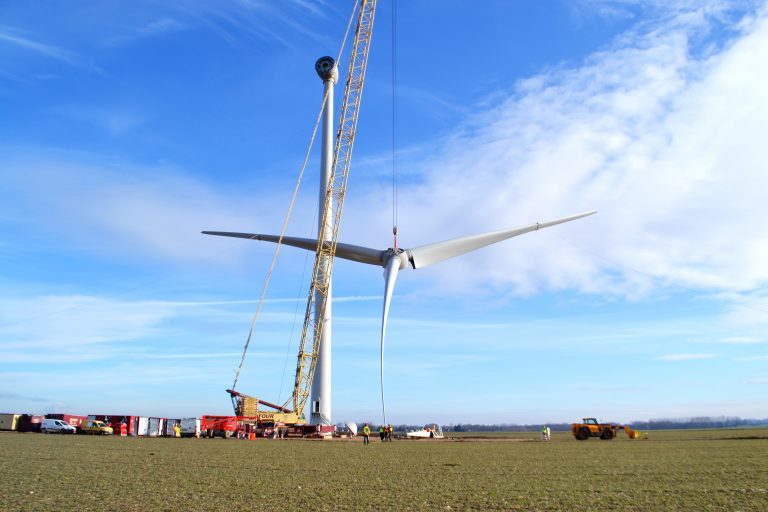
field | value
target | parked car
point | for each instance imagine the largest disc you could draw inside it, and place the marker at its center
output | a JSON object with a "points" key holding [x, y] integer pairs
{"points": [[95, 427], [71, 419], [56, 426]]}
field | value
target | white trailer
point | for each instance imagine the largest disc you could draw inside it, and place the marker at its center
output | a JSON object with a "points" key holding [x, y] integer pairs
{"points": [[143, 426]]}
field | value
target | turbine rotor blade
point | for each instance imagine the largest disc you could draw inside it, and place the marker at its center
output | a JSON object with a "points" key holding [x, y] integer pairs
{"points": [[343, 251], [390, 276], [302, 243], [434, 253]]}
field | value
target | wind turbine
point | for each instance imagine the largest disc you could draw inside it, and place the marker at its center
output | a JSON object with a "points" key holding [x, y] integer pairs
{"points": [[395, 259]]}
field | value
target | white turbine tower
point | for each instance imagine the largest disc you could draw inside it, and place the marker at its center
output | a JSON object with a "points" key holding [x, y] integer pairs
{"points": [[320, 401], [394, 260]]}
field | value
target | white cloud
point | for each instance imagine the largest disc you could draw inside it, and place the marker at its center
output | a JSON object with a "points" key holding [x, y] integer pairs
{"points": [[41, 48], [74, 329], [16, 397], [78, 329], [269, 21], [685, 357], [752, 358], [113, 120], [665, 142], [747, 309], [92, 204], [742, 340], [665, 139], [161, 26]]}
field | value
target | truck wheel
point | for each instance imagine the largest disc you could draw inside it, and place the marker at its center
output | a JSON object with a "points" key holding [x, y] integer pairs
{"points": [[227, 434], [582, 434], [607, 435]]}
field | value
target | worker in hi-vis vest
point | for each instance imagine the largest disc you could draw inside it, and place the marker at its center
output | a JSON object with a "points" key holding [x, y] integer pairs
{"points": [[366, 433]]}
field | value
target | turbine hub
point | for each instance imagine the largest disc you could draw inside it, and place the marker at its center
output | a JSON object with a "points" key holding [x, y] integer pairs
{"points": [[400, 254]]}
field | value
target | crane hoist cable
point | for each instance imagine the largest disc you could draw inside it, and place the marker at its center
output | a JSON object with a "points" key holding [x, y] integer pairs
{"points": [[290, 210], [394, 122]]}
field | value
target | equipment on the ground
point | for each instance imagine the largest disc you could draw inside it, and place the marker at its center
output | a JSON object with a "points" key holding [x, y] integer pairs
{"points": [[605, 431], [428, 432], [248, 407]]}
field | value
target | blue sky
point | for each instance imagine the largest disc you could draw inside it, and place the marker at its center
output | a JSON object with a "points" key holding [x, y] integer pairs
{"points": [[126, 128]]}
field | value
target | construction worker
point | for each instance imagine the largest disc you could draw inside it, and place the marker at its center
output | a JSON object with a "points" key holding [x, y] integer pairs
{"points": [[177, 430], [389, 433], [382, 432], [544, 433], [366, 433]]}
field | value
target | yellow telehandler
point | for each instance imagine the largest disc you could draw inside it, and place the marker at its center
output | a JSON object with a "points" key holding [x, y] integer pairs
{"points": [[605, 431]]}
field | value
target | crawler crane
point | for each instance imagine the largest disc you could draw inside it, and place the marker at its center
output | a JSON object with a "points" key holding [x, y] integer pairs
{"points": [[292, 411]]}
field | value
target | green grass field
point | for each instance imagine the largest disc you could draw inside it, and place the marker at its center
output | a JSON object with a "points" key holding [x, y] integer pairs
{"points": [[675, 470]]}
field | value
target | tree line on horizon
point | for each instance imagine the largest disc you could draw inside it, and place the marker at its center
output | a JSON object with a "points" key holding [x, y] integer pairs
{"points": [[654, 424]]}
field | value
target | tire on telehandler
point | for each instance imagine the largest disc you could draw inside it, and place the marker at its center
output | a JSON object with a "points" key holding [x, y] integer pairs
{"points": [[607, 434], [582, 434]]}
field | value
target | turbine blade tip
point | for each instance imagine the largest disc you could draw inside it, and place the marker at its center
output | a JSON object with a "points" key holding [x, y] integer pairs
{"points": [[584, 214]]}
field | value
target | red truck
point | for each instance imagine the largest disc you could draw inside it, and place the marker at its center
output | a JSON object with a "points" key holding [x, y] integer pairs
{"points": [[220, 426], [241, 427], [263, 425]]}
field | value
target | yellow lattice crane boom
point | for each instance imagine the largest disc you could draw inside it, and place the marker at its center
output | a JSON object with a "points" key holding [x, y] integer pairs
{"points": [[336, 172], [334, 201]]}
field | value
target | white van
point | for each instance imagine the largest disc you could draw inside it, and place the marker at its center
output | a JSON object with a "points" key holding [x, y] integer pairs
{"points": [[190, 427], [50, 426]]}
